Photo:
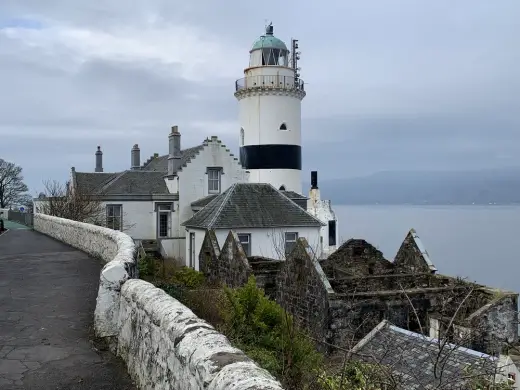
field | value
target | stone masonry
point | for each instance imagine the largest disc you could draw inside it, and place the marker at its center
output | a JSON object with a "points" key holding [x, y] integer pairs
{"points": [[340, 299]]}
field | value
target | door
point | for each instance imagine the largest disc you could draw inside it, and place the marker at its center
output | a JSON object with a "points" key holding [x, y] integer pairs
{"points": [[192, 250]]}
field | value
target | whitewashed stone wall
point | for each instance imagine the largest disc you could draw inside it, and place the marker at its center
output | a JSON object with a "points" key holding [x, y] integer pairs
{"points": [[164, 344]]}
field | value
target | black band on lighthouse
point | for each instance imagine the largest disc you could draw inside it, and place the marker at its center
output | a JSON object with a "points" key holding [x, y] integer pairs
{"points": [[271, 156]]}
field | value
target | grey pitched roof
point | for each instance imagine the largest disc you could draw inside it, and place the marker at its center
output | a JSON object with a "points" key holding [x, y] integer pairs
{"points": [[202, 202], [126, 182], [412, 358], [251, 205], [293, 195], [91, 182], [161, 163]]}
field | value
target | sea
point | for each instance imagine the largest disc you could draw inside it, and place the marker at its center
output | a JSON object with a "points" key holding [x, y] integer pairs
{"points": [[480, 243]]}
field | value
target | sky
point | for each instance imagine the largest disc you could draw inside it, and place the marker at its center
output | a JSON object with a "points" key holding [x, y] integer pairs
{"points": [[391, 85]]}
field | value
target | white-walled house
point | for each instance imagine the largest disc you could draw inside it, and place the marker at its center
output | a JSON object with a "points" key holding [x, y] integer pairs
{"points": [[150, 201], [267, 222]]}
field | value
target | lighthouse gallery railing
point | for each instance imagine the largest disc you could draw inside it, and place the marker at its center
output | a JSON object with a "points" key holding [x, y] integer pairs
{"points": [[278, 82]]}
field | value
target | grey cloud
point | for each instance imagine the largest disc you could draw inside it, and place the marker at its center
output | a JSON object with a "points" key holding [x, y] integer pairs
{"points": [[398, 85]]}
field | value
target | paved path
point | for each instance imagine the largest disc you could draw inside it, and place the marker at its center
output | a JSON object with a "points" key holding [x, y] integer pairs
{"points": [[47, 298], [13, 225]]}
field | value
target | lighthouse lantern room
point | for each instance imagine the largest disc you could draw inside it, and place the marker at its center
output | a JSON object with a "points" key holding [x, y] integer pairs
{"points": [[269, 97]]}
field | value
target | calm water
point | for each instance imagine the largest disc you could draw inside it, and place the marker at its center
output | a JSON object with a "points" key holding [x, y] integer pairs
{"points": [[478, 242]]}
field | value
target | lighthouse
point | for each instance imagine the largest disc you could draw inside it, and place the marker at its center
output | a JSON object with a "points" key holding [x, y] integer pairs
{"points": [[269, 98]]}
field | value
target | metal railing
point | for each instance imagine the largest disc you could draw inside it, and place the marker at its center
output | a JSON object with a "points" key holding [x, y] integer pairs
{"points": [[275, 82]]}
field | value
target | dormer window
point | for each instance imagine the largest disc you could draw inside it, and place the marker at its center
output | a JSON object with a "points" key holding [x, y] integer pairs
{"points": [[283, 126]]}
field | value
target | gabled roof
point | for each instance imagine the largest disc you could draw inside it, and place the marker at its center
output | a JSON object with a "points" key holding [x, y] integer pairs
{"points": [[161, 163], [412, 357], [126, 182], [251, 205]]}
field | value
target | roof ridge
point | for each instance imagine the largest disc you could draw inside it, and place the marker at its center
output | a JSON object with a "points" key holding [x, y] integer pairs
{"points": [[229, 191]]}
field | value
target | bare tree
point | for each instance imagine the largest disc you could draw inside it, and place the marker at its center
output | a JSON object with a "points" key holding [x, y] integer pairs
{"points": [[12, 188], [78, 205]]}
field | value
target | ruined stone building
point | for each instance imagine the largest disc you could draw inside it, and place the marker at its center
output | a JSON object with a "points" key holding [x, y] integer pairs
{"points": [[341, 299]]}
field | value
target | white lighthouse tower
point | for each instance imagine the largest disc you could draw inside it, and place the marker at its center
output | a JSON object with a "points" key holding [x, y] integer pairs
{"points": [[269, 97]]}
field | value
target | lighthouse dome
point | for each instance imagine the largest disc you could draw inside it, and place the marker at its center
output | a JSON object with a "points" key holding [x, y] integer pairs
{"points": [[269, 41]]}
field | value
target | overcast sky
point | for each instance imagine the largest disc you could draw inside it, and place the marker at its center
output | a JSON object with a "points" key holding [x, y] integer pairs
{"points": [[401, 84]]}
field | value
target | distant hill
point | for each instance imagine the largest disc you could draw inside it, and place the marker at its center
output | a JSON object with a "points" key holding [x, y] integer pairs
{"points": [[496, 186]]}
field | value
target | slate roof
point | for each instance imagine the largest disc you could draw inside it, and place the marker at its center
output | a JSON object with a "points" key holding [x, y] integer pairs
{"points": [[412, 356], [293, 195], [251, 205], [161, 163], [202, 202], [126, 182]]}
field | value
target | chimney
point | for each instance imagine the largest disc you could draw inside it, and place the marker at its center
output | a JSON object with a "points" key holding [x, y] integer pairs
{"points": [[174, 140], [99, 160], [314, 180], [135, 157]]}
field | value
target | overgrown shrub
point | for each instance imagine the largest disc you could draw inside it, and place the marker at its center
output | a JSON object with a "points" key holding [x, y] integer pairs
{"points": [[146, 267], [264, 331], [188, 277]]}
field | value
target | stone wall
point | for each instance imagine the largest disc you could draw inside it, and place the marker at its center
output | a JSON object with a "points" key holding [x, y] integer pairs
{"points": [[266, 273], [167, 347], [162, 342], [304, 291], [356, 257], [232, 267], [413, 256], [228, 265], [496, 323]]}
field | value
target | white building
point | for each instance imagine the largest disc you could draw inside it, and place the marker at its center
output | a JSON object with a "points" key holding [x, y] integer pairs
{"points": [[269, 98], [267, 222], [151, 201]]}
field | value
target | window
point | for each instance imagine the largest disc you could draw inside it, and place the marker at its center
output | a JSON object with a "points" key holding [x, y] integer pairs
{"points": [[115, 216], [163, 220], [242, 136], [282, 188], [245, 240], [192, 250], [290, 242], [214, 180], [283, 126], [332, 233]]}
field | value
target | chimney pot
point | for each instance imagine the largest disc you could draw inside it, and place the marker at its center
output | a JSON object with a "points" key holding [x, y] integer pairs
{"points": [[174, 146], [99, 160], [135, 158]]}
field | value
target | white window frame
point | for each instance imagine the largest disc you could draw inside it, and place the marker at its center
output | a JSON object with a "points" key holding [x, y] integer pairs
{"points": [[212, 180], [291, 241], [110, 219], [164, 209], [247, 243]]}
